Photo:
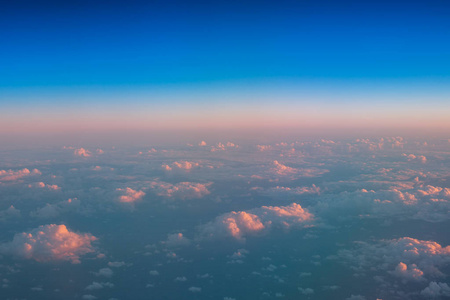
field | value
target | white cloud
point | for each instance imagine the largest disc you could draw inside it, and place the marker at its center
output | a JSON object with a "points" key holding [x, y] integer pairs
{"points": [[285, 171], [42, 185], [412, 157], [50, 243], [223, 147], [257, 221], [130, 195], [408, 273], [99, 285], [10, 175], [182, 190], [436, 290], [195, 289], [116, 264], [177, 239], [105, 272], [406, 258], [181, 165], [10, 212], [306, 291], [82, 152]]}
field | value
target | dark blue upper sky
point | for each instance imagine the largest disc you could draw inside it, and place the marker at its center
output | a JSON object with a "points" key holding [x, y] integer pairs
{"points": [[110, 43]]}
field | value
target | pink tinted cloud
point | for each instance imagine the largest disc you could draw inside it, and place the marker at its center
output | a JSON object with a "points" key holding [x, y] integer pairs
{"points": [[50, 243], [82, 152], [182, 190], [41, 184], [181, 165], [10, 175], [130, 195], [257, 221]]}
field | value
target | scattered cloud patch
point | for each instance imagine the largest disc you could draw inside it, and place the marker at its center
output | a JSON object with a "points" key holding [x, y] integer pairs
{"points": [[50, 243], [10, 175], [257, 221]]}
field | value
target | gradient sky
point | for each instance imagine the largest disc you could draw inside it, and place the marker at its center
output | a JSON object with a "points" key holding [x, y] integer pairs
{"points": [[230, 64]]}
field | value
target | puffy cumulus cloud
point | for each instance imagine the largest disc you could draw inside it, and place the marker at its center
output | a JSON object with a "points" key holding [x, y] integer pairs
{"points": [[223, 147], [116, 264], [195, 289], [406, 258], [177, 239], [257, 221], [180, 165], [428, 203], [436, 290], [434, 191], [202, 144], [130, 195], [10, 212], [10, 175], [105, 272], [282, 191], [82, 152], [412, 157], [263, 147], [182, 190], [50, 243], [411, 273], [306, 291], [285, 171], [54, 210], [99, 285], [42, 185]]}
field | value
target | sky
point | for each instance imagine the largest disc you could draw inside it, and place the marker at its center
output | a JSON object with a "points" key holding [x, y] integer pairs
{"points": [[241, 66]]}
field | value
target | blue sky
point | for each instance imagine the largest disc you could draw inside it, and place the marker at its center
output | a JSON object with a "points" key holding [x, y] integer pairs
{"points": [[115, 43], [85, 59]]}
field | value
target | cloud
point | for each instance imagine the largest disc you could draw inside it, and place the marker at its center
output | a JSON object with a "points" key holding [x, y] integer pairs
{"points": [[181, 165], [436, 290], [116, 264], [406, 258], [202, 143], [306, 291], [411, 273], [177, 239], [263, 147], [257, 221], [428, 203], [283, 170], [182, 190], [105, 272], [412, 157], [282, 191], [10, 212], [10, 175], [42, 185], [50, 243], [195, 289], [53, 210], [223, 147], [82, 152], [99, 285], [130, 195]]}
